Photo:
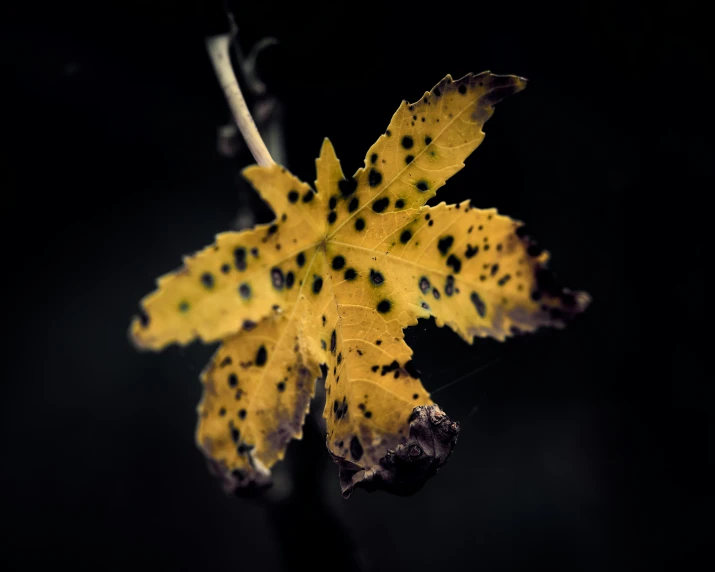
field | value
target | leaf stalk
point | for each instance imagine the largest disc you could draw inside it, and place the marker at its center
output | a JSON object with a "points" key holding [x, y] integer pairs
{"points": [[218, 48]]}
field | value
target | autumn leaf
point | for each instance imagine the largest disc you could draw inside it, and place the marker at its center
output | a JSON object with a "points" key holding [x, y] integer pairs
{"points": [[326, 290]]}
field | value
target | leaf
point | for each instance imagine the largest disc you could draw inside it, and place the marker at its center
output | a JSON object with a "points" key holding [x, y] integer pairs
{"points": [[327, 290], [238, 281]]}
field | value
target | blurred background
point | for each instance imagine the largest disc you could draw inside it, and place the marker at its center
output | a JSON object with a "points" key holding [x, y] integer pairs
{"points": [[583, 449]]}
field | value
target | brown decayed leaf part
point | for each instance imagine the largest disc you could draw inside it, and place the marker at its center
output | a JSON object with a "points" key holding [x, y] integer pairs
{"points": [[404, 470], [328, 288]]}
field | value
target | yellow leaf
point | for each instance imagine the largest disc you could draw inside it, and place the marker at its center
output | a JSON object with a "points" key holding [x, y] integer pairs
{"points": [[425, 144], [327, 290], [241, 278], [259, 384]]}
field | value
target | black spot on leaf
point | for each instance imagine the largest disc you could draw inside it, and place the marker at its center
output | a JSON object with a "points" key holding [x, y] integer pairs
{"points": [[449, 285], [422, 186], [405, 237], [355, 448], [277, 278], [455, 263], [359, 224], [376, 277], [444, 244], [424, 284], [261, 356], [389, 368], [374, 178], [471, 251], [347, 187], [293, 196], [353, 205], [350, 274], [341, 410], [380, 205], [239, 256], [407, 142], [478, 304], [317, 284], [245, 291], [384, 306], [338, 262]]}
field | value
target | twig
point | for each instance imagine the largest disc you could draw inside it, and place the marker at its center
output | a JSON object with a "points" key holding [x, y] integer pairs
{"points": [[218, 52]]}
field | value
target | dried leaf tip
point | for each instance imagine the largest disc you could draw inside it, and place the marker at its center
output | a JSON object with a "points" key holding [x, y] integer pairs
{"points": [[405, 470]]}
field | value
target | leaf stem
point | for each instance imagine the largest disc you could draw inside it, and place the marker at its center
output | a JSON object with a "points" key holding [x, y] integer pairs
{"points": [[218, 52]]}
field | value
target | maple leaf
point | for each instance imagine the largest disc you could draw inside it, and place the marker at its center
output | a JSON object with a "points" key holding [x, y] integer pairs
{"points": [[327, 289]]}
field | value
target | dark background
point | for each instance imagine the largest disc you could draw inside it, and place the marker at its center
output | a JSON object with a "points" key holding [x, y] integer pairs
{"points": [[583, 449]]}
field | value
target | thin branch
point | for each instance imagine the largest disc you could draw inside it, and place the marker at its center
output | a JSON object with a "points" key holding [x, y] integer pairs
{"points": [[218, 52]]}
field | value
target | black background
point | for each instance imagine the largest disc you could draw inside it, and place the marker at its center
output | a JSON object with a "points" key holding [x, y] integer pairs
{"points": [[582, 449]]}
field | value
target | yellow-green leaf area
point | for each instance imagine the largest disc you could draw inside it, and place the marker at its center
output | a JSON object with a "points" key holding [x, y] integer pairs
{"points": [[326, 290]]}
